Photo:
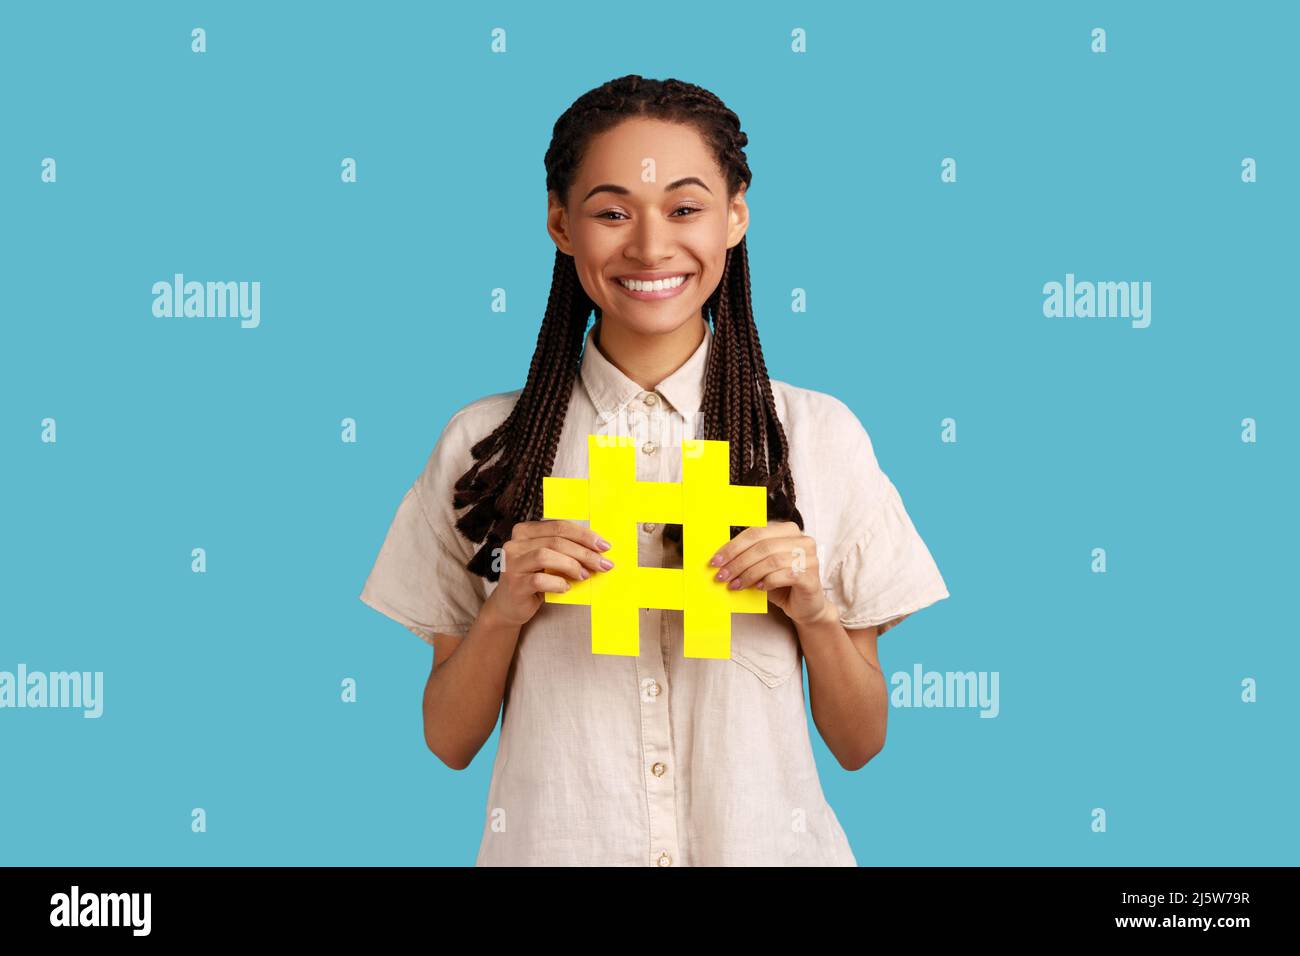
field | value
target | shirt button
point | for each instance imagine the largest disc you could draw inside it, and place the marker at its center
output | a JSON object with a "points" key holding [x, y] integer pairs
{"points": [[659, 769], [655, 689], [649, 526], [649, 448], [651, 399], [665, 859]]}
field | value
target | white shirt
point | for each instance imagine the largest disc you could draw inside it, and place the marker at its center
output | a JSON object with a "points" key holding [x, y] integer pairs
{"points": [[660, 760]]}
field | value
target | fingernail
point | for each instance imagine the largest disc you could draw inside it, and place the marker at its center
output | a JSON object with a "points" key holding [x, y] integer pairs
{"points": [[723, 575], [606, 563], [761, 585], [734, 584], [583, 572], [603, 544], [717, 559]]}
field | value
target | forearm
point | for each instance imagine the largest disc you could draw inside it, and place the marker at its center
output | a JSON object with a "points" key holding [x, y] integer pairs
{"points": [[462, 698], [849, 696]]}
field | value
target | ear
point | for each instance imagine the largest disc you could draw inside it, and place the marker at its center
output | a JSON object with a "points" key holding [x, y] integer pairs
{"points": [[557, 223], [737, 218]]}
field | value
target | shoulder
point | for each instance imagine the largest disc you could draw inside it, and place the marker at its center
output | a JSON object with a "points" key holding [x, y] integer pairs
{"points": [[840, 487], [488, 411], [467, 425], [818, 422], [453, 455]]}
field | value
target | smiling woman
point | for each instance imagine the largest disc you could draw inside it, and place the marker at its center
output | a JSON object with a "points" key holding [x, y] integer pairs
{"points": [[648, 241], [652, 758]]}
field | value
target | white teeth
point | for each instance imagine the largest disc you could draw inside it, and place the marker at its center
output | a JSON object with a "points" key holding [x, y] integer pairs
{"points": [[636, 285]]}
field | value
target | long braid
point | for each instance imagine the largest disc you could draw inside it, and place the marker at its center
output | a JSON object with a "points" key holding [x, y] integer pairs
{"points": [[509, 490], [738, 405], [737, 402]]}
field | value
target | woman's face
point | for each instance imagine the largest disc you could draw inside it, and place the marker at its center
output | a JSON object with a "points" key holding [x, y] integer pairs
{"points": [[648, 200]]}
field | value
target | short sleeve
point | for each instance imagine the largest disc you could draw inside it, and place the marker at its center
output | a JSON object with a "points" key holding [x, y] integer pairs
{"points": [[419, 578], [879, 568]]}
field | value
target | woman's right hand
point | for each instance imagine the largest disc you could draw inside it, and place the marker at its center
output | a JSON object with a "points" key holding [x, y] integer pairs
{"points": [[544, 556]]}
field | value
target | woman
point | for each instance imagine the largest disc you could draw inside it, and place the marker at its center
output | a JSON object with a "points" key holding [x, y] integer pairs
{"points": [[655, 759]]}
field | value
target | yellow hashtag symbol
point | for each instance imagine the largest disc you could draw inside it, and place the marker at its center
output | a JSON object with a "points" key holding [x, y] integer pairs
{"points": [[704, 503]]}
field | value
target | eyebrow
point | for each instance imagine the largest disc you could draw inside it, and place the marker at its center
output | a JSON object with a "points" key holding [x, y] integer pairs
{"points": [[624, 191]]}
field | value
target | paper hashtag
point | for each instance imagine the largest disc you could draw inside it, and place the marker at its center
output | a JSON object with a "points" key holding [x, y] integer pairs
{"points": [[704, 503]]}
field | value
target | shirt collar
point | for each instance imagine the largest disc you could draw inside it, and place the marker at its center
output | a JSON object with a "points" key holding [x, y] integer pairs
{"points": [[610, 389]]}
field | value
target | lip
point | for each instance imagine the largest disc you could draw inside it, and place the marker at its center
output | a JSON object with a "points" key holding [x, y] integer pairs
{"points": [[651, 277]]}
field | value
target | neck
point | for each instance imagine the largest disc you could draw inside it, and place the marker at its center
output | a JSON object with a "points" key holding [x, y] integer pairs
{"points": [[649, 358]]}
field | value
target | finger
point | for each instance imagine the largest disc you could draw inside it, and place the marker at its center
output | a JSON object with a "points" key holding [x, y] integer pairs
{"points": [[555, 527], [744, 560], [748, 537], [735, 546], [594, 560], [780, 578], [756, 571], [555, 562], [540, 581], [783, 547]]}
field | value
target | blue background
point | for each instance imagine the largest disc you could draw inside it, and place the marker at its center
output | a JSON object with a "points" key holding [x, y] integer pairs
{"points": [[1118, 690]]}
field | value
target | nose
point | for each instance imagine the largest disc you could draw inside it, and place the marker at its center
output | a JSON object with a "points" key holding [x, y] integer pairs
{"points": [[649, 242]]}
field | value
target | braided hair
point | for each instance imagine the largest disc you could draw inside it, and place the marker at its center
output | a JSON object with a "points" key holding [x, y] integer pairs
{"points": [[737, 402]]}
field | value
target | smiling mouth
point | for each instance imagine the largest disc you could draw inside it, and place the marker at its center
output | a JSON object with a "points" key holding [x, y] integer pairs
{"points": [[653, 285], [654, 288]]}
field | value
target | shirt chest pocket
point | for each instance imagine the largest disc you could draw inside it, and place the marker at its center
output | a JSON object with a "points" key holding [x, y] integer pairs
{"points": [[766, 646]]}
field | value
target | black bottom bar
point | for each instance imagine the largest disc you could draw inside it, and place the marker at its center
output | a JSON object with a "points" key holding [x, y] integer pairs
{"points": [[211, 904]]}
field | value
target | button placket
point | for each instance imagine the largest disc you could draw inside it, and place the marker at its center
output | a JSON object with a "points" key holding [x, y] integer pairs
{"points": [[654, 420], [653, 691]]}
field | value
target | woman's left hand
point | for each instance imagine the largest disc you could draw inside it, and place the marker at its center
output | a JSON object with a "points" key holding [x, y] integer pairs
{"points": [[780, 559]]}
